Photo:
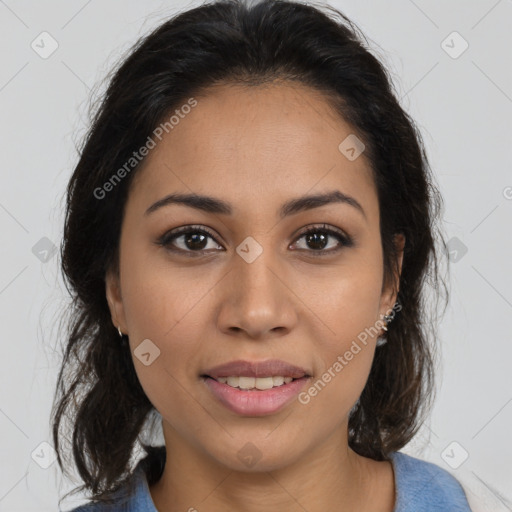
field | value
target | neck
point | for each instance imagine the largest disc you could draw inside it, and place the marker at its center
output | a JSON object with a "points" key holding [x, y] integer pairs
{"points": [[328, 477]]}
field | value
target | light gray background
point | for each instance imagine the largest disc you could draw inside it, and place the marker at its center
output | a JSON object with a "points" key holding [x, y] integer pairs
{"points": [[463, 106]]}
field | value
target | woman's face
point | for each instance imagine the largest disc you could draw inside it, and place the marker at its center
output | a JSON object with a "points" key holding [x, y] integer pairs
{"points": [[256, 288]]}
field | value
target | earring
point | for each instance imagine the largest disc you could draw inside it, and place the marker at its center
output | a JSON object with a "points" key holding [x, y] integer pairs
{"points": [[382, 340], [387, 319], [119, 331]]}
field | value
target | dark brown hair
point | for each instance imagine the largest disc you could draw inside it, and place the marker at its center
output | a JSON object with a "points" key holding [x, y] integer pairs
{"points": [[221, 43]]}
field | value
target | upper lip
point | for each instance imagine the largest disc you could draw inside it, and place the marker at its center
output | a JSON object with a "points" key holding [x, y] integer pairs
{"points": [[272, 367]]}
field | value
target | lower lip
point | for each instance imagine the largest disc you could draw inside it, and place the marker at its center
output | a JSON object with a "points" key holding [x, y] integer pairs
{"points": [[255, 402]]}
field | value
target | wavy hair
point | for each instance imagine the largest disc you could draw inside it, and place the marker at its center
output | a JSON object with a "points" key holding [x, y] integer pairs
{"points": [[234, 42]]}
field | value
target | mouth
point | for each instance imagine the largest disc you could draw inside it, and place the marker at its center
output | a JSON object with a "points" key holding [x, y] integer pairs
{"points": [[255, 389]]}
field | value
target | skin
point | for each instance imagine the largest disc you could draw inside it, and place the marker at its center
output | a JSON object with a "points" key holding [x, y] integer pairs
{"points": [[255, 148]]}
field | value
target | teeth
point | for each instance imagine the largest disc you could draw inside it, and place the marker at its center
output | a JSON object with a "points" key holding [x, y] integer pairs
{"points": [[278, 381], [246, 382], [232, 381], [260, 383]]}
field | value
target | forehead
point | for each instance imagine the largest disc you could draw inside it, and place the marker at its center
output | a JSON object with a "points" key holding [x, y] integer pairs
{"points": [[270, 142]]}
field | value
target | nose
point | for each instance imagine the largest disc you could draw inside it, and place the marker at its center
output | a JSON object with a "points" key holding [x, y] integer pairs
{"points": [[257, 300]]}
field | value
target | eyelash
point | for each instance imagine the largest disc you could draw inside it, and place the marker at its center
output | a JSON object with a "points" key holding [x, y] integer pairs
{"points": [[168, 237]]}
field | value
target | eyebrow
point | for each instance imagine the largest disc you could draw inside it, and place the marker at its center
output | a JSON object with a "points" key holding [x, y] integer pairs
{"points": [[293, 206]]}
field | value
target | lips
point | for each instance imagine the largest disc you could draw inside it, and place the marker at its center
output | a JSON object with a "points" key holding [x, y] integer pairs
{"points": [[268, 368]]}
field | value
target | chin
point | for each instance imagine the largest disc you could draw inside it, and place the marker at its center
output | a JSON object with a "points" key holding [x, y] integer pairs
{"points": [[246, 456]]}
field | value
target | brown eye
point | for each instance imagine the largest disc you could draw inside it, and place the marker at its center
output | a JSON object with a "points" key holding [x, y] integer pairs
{"points": [[193, 239], [317, 239]]}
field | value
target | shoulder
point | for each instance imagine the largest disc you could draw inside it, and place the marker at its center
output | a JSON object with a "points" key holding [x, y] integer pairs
{"points": [[132, 497], [118, 505], [423, 486]]}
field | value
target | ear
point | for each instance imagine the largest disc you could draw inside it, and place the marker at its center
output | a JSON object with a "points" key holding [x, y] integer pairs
{"points": [[115, 301], [390, 291]]}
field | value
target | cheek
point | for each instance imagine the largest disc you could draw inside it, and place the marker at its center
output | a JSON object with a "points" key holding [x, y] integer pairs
{"points": [[162, 305], [158, 311], [349, 307], [333, 392], [344, 355], [159, 297], [346, 300]]}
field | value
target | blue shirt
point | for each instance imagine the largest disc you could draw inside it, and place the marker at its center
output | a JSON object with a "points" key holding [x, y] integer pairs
{"points": [[420, 486]]}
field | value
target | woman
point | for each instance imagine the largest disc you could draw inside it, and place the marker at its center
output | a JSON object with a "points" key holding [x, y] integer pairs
{"points": [[248, 233]]}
